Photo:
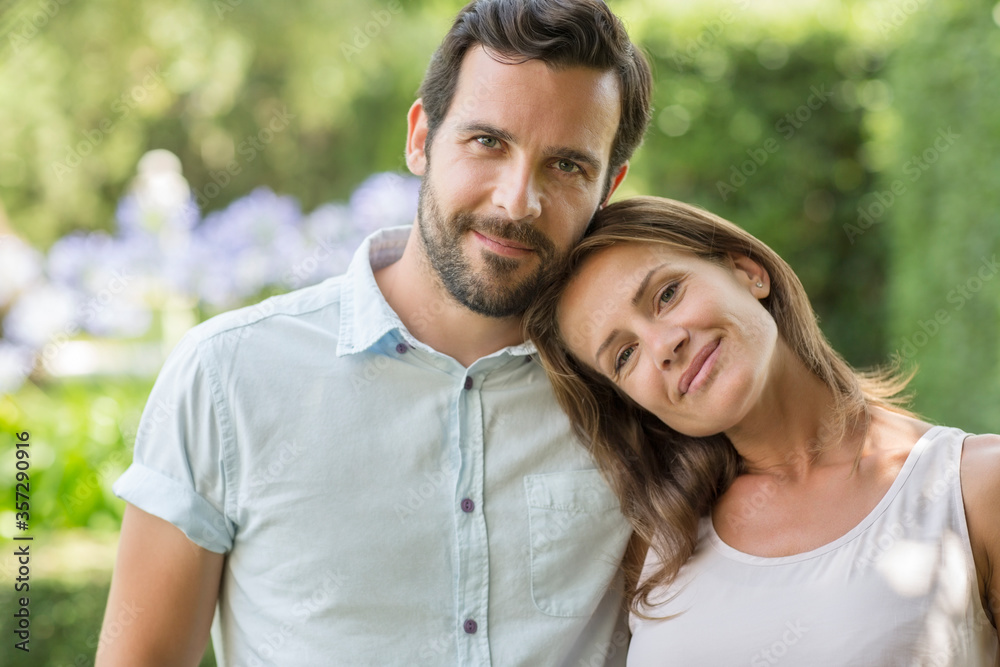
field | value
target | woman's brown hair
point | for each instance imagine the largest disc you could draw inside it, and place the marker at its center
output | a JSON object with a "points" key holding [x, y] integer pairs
{"points": [[665, 480]]}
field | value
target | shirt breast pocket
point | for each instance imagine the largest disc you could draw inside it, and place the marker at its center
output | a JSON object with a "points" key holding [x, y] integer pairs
{"points": [[577, 539]]}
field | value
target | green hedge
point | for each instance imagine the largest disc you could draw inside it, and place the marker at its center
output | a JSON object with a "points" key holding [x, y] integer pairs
{"points": [[944, 294]]}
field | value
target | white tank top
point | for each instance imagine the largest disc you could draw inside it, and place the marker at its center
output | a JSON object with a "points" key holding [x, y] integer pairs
{"points": [[899, 589]]}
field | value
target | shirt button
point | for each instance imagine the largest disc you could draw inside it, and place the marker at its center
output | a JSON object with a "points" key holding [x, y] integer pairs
{"points": [[468, 382], [402, 348], [470, 627], [468, 505]]}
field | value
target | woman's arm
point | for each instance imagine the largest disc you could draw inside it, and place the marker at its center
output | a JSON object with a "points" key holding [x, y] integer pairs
{"points": [[980, 476], [162, 599]]}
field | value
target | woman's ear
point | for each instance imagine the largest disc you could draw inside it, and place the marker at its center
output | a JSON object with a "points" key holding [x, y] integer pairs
{"points": [[752, 274]]}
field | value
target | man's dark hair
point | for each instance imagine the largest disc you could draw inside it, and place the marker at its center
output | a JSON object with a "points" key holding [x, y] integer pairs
{"points": [[560, 33]]}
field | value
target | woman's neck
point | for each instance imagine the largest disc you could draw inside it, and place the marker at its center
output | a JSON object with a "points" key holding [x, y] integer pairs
{"points": [[794, 425]]}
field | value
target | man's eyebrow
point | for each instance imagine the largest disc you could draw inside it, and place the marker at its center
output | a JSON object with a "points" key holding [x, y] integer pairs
{"points": [[576, 155], [486, 128], [643, 286], [585, 157]]}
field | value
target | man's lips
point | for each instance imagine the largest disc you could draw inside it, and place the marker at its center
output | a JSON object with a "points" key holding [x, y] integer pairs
{"points": [[502, 246], [702, 361]]}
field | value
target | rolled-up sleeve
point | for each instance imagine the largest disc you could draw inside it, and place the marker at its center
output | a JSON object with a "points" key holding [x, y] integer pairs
{"points": [[178, 472]]}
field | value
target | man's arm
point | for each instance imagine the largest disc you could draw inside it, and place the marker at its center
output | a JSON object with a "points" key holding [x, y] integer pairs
{"points": [[162, 599]]}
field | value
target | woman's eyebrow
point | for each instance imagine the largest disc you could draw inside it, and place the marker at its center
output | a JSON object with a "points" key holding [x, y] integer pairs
{"points": [[607, 341], [645, 284]]}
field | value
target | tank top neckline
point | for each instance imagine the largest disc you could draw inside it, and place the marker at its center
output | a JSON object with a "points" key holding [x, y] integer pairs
{"points": [[890, 495]]}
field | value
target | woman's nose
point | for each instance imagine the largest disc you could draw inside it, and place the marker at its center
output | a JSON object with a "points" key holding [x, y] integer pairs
{"points": [[667, 343]]}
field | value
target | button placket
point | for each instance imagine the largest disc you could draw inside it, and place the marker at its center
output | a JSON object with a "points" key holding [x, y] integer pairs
{"points": [[474, 559]]}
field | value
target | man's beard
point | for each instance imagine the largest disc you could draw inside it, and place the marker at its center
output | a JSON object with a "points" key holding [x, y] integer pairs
{"points": [[491, 291]]}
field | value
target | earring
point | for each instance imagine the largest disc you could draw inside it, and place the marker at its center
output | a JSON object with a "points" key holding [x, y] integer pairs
{"points": [[760, 284]]}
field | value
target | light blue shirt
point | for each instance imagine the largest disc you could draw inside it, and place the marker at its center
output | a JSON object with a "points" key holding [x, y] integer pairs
{"points": [[379, 503]]}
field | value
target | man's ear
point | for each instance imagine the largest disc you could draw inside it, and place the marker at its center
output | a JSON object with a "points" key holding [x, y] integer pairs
{"points": [[615, 182], [752, 274], [416, 139]]}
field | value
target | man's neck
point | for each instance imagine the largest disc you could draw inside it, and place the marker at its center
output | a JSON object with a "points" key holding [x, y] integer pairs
{"points": [[414, 291]]}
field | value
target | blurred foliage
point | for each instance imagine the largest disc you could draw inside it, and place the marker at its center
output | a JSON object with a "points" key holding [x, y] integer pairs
{"points": [[102, 82], [81, 438], [940, 143]]}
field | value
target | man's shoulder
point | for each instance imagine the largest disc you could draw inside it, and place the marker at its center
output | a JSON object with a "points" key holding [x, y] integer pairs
{"points": [[304, 307]]}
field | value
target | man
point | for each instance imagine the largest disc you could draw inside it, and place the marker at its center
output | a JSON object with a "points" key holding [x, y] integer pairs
{"points": [[371, 471]]}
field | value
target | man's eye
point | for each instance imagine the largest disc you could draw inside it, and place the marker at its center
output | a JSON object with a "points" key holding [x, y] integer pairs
{"points": [[489, 142], [567, 166]]}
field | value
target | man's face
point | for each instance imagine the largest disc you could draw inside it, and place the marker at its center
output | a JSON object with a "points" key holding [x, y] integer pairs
{"points": [[519, 167]]}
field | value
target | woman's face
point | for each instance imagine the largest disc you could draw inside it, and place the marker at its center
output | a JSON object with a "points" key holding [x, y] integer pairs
{"points": [[686, 338]]}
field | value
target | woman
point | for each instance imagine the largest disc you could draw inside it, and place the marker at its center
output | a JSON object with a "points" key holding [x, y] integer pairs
{"points": [[793, 510]]}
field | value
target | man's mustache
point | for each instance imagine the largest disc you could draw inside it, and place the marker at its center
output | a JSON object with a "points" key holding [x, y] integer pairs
{"points": [[523, 234]]}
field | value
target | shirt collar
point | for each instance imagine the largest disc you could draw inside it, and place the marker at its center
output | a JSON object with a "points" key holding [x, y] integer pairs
{"points": [[365, 316]]}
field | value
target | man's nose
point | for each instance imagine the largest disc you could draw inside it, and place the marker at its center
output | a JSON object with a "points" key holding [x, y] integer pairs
{"points": [[517, 192]]}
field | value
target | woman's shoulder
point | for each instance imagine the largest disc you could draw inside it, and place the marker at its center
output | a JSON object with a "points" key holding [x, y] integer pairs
{"points": [[983, 444], [981, 473], [891, 437]]}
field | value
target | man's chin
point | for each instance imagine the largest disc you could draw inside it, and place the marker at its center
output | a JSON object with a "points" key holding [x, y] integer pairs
{"points": [[509, 302]]}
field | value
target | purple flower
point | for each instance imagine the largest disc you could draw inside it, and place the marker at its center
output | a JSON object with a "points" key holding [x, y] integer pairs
{"points": [[39, 314], [246, 247], [330, 241], [20, 266], [16, 362], [92, 263], [386, 199], [159, 203], [122, 315]]}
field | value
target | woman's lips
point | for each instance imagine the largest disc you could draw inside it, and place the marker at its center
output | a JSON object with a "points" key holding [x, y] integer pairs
{"points": [[698, 370]]}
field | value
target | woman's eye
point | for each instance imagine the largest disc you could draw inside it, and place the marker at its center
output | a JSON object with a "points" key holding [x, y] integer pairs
{"points": [[567, 166], [489, 142], [623, 358], [668, 293]]}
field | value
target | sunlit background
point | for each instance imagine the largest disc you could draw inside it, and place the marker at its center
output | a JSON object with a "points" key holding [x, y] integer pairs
{"points": [[163, 161]]}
